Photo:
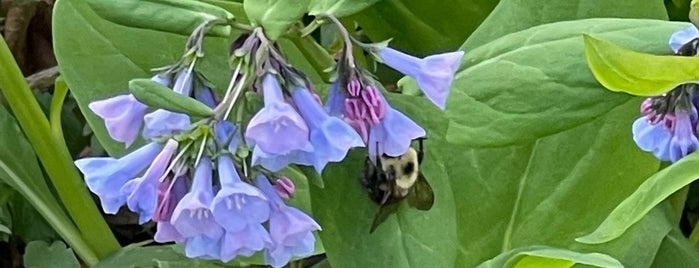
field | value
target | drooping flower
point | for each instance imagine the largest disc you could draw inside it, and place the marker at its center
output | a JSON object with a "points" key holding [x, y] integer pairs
{"points": [[681, 37], [669, 132], [237, 204], [163, 122], [291, 229], [192, 216], [143, 192], [363, 108], [123, 114], [204, 247], [245, 242], [277, 128], [170, 192], [394, 134], [105, 176], [335, 105], [433, 74], [330, 136]]}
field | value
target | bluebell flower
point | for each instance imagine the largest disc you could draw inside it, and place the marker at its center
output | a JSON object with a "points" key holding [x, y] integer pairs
{"points": [[653, 138], [237, 204], [330, 136], [143, 191], [276, 162], [681, 37], [123, 114], [206, 96], [104, 176], [204, 247], [670, 133], [277, 128], [291, 229], [394, 134], [170, 192], [433, 74], [335, 105], [192, 216], [363, 108], [163, 122], [245, 242]]}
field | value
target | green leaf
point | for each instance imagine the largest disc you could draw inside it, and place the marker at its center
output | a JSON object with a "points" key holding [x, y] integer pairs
{"points": [[421, 27], [39, 254], [512, 16], [98, 58], [676, 251], [537, 158], [166, 256], [338, 8], [640, 74], [649, 194], [175, 16], [543, 65], [275, 16], [544, 256]]}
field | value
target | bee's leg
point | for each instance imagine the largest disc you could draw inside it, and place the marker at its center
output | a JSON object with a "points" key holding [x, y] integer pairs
{"points": [[420, 151]]}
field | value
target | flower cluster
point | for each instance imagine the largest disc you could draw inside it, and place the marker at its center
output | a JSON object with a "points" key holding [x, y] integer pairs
{"points": [[214, 184], [669, 127]]}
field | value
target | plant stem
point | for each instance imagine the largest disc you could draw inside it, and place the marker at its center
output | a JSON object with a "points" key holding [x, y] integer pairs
{"points": [[55, 158]]}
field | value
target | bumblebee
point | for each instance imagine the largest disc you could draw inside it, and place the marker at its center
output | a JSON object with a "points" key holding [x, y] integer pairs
{"points": [[390, 179]]}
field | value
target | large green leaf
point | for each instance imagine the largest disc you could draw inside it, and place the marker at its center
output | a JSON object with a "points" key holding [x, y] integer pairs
{"points": [[530, 151], [676, 251], [512, 16], [649, 194], [640, 74], [98, 58], [338, 8], [275, 16], [545, 66], [542, 256], [423, 27]]}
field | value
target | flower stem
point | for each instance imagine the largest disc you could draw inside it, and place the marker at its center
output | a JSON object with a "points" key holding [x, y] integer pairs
{"points": [[55, 158]]}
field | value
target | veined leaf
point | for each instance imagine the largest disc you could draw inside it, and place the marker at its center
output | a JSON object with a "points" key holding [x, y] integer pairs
{"points": [[544, 256]]}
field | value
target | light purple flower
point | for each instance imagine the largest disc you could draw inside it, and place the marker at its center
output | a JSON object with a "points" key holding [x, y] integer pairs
{"points": [[106, 175], [163, 122], [206, 96], [683, 141], [330, 136], [143, 192], [237, 204], [277, 128], [123, 114], [204, 247], [394, 134], [275, 163], [192, 216], [653, 138], [335, 105], [252, 238], [364, 108], [227, 135], [681, 37], [285, 187], [434, 74], [170, 192], [291, 229]]}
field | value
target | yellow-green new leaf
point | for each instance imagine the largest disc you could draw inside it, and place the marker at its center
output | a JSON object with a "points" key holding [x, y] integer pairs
{"points": [[649, 194], [623, 70]]}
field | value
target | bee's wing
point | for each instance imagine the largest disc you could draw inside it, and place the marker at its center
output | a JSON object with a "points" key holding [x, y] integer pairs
{"points": [[421, 195], [384, 211]]}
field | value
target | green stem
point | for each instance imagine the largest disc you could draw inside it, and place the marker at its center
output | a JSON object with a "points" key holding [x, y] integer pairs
{"points": [[55, 157], [694, 236], [60, 92]]}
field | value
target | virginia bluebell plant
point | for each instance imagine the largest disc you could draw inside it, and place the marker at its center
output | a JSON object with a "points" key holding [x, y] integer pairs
{"points": [[670, 125], [212, 184]]}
